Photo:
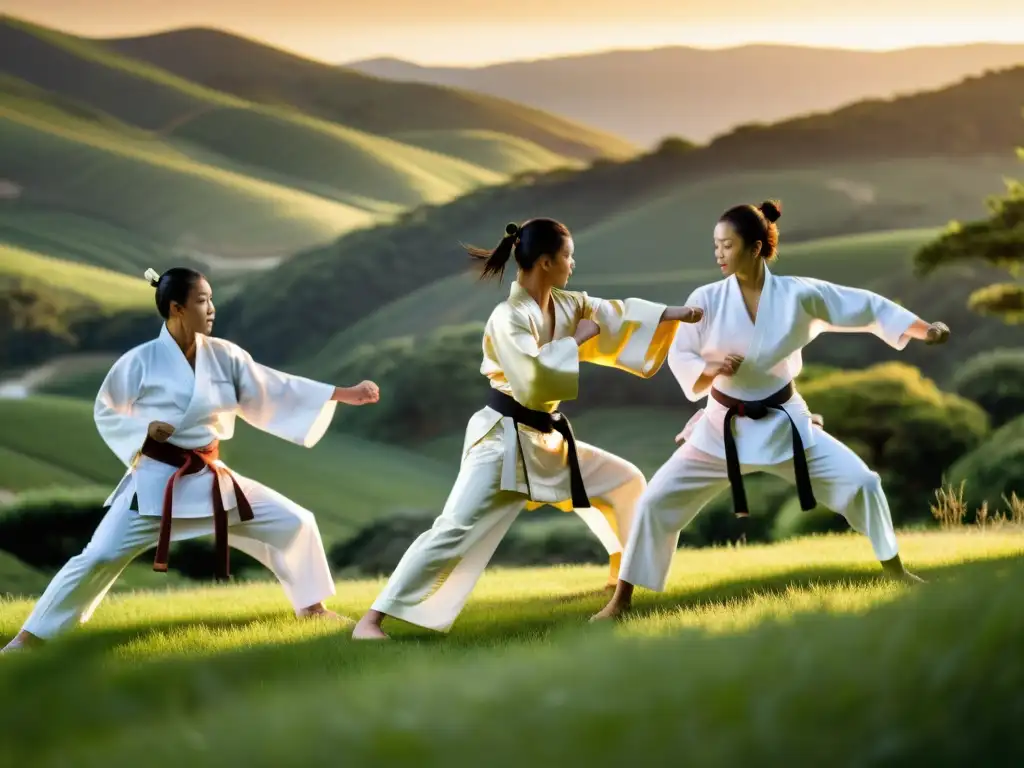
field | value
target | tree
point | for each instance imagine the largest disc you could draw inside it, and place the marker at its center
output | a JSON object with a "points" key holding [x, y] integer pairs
{"points": [[998, 240]]}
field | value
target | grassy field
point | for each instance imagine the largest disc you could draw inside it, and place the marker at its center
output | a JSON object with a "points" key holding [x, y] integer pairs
{"points": [[754, 655], [50, 442]]}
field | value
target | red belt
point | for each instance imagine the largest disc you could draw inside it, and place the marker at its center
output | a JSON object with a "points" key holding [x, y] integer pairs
{"points": [[188, 462]]}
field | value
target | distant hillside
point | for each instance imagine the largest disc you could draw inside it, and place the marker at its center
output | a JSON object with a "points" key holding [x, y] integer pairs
{"points": [[700, 94], [115, 161], [849, 156], [259, 73]]}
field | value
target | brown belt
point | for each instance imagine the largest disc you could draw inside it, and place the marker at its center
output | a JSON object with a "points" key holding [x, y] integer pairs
{"points": [[188, 462], [758, 409]]}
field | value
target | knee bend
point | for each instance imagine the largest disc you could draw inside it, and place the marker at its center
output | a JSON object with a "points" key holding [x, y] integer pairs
{"points": [[636, 480], [869, 483], [96, 558], [295, 520]]}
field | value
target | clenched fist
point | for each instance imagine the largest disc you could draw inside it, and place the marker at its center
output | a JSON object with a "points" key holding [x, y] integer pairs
{"points": [[160, 431], [363, 393]]}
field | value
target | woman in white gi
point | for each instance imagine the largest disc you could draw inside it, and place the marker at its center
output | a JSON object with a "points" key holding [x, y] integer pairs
{"points": [[743, 356], [518, 450], [162, 409]]}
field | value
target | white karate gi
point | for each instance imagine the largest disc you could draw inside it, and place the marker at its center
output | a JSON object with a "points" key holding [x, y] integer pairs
{"points": [[154, 382], [791, 313], [538, 365]]}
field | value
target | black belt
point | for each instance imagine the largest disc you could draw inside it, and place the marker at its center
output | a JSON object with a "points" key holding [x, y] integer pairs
{"points": [[758, 409], [544, 422]]}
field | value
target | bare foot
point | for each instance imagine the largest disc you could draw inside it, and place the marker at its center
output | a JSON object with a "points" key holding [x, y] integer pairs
{"points": [[369, 628], [320, 612], [895, 570], [613, 610], [906, 577], [22, 641]]}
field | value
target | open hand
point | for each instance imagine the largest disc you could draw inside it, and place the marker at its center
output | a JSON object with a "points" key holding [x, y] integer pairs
{"points": [[160, 431], [586, 330], [363, 393], [938, 333]]}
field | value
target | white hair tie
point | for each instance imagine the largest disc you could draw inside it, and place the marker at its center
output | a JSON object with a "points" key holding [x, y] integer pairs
{"points": [[152, 276]]}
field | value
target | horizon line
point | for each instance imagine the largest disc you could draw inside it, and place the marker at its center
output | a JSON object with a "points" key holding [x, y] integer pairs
{"points": [[554, 56]]}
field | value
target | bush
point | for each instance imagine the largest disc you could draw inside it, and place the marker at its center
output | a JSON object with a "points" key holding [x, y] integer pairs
{"points": [[902, 425], [995, 381]]}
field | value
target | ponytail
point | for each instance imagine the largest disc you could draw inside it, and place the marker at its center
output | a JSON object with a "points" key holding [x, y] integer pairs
{"points": [[495, 260]]}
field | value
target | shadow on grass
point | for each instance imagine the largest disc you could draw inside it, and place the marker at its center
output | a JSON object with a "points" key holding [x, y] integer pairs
{"points": [[80, 688]]}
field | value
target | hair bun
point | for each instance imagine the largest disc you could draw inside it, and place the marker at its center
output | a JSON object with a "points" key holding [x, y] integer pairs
{"points": [[772, 210], [152, 276], [511, 230]]}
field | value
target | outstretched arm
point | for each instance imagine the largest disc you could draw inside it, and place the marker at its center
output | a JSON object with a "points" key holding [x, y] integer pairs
{"points": [[636, 334], [838, 308], [291, 407]]}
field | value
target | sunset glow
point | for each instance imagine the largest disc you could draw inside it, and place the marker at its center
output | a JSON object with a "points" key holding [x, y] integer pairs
{"points": [[479, 32]]}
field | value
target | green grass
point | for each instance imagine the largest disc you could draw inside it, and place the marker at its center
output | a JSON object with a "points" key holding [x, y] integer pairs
{"points": [[345, 481], [753, 656], [111, 290]]}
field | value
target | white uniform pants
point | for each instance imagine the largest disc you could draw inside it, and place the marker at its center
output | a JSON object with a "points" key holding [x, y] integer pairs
{"points": [[284, 537], [431, 584], [691, 478]]}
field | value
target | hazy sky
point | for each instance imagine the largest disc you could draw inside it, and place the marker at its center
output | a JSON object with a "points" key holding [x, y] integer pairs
{"points": [[483, 31]]}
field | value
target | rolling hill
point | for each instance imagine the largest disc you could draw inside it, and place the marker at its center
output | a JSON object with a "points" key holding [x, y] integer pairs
{"points": [[51, 442], [112, 155], [938, 152], [700, 94], [259, 73]]}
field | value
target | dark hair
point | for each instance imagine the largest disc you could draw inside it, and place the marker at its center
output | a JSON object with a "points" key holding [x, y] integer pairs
{"points": [[535, 238], [173, 285], [757, 223]]}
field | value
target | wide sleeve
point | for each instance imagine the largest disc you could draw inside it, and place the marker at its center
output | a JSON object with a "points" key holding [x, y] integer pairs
{"points": [[841, 309], [684, 356], [536, 374], [290, 407], [633, 337], [114, 411]]}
